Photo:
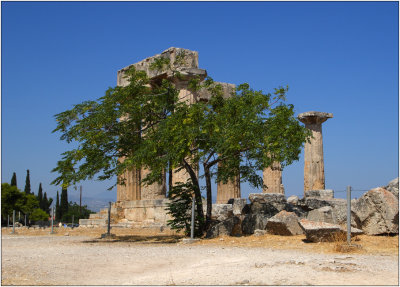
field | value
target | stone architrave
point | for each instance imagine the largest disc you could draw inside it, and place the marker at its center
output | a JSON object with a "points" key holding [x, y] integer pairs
{"points": [[272, 178], [314, 176]]}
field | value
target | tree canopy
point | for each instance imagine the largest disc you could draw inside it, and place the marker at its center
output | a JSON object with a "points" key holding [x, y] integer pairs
{"points": [[147, 125]]}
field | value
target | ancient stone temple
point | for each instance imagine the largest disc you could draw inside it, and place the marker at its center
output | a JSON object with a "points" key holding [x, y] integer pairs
{"points": [[186, 62], [314, 174]]}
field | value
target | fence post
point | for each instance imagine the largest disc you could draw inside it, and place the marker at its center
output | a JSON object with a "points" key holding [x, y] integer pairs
{"points": [[349, 215], [72, 226], [192, 225], [8, 221], [13, 230], [52, 216], [109, 218]]}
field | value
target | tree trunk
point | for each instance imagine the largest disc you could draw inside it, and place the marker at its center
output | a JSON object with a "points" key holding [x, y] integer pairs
{"points": [[197, 193], [209, 195]]}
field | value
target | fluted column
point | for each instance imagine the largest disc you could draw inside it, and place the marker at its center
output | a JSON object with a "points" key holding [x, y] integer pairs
{"points": [[272, 178], [226, 191], [314, 174]]}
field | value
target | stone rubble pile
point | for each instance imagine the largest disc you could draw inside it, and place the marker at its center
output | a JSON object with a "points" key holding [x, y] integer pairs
{"points": [[318, 215]]}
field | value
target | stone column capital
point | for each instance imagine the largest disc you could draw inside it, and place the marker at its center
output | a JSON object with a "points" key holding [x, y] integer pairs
{"points": [[313, 117]]}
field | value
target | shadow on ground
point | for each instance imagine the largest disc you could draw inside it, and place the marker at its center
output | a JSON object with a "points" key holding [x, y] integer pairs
{"points": [[152, 239]]}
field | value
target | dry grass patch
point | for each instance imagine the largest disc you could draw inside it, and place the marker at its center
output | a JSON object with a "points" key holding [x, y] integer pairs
{"points": [[385, 245]]}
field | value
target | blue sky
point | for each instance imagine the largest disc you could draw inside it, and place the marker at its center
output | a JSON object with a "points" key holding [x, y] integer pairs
{"points": [[337, 57]]}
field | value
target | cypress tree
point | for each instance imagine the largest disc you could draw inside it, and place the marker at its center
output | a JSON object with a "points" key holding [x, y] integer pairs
{"points": [[47, 203], [64, 202], [14, 180], [40, 197], [27, 183], [58, 209]]}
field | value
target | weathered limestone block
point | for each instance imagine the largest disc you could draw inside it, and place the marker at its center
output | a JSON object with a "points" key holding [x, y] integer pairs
{"points": [[378, 212], [272, 178], [323, 194], [227, 90], [225, 227], [284, 223], [221, 212], [393, 187], [252, 222], [314, 175], [323, 214], [267, 204], [319, 231], [259, 232], [238, 204], [293, 199], [186, 61]]}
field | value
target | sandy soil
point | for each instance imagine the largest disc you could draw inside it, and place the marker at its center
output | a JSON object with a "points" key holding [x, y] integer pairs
{"points": [[80, 257]]}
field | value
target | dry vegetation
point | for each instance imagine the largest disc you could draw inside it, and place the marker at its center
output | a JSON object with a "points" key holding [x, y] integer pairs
{"points": [[361, 244]]}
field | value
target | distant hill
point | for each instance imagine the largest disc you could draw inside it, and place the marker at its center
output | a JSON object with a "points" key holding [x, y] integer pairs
{"points": [[93, 203]]}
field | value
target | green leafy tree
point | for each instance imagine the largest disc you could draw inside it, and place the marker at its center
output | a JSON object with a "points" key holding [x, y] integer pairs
{"points": [[40, 196], [73, 210], [27, 183], [11, 199], [180, 207], [31, 203], [14, 180], [58, 210], [245, 133], [39, 215]]}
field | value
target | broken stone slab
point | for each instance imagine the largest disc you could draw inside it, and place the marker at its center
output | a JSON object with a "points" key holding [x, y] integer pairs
{"points": [[293, 199], [252, 222], [225, 227], [319, 231], [354, 231], [321, 193], [323, 214], [238, 205], [377, 212], [393, 187], [259, 232], [284, 223], [221, 212], [267, 204]]}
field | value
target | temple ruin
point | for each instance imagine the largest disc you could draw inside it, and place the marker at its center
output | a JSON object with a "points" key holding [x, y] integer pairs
{"points": [[144, 205]]}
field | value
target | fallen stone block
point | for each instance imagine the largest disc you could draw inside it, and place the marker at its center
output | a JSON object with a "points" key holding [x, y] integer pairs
{"points": [[259, 232], [225, 227], [238, 205], [252, 222], [393, 187], [221, 212], [377, 212], [323, 214], [293, 199], [319, 231], [322, 193], [284, 223]]}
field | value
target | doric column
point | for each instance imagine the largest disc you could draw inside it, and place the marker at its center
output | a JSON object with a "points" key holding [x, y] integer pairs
{"points": [[131, 189], [226, 191], [272, 178], [155, 190], [314, 176]]}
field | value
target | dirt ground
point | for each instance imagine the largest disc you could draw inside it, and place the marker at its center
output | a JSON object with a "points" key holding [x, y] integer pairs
{"points": [[151, 257]]}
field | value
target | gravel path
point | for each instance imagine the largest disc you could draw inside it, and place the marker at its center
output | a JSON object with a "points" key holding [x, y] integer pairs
{"points": [[69, 260]]}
